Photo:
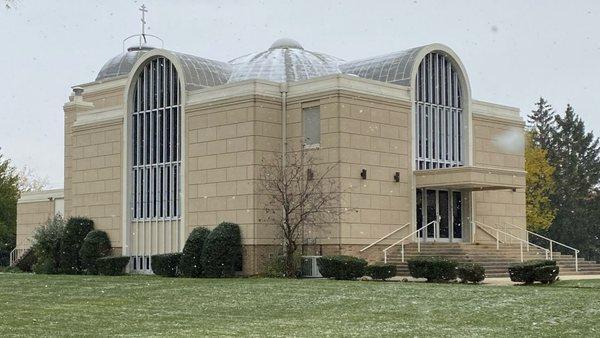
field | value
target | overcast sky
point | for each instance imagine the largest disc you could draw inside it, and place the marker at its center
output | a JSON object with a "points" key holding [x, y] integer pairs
{"points": [[514, 51]]}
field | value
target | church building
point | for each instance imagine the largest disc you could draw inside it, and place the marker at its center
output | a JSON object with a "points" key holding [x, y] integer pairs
{"points": [[161, 142]]}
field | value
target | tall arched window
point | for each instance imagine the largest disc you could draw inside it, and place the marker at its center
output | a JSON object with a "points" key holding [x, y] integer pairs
{"points": [[439, 114], [155, 156]]}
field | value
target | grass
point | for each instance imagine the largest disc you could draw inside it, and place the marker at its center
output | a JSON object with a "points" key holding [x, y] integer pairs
{"points": [[49, 305]]}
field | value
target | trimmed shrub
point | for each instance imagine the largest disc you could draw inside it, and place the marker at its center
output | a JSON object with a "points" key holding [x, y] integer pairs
{"points": [[166, 264], [470, 272], [72, 240], [112, 265], [46, 245], [381, 271], [546, 274], [191, 257], [45, 266], [26, 262], [525, 272], [95, 245], [433, 269], [222, 251], [341, 267]]}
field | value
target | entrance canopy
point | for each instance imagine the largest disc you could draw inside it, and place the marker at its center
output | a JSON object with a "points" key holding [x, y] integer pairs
{"points": [[470, 178]]}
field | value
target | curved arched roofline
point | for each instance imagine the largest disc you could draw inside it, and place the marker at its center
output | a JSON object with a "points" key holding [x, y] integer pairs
{"points": [[142, 60], [438, 47]]}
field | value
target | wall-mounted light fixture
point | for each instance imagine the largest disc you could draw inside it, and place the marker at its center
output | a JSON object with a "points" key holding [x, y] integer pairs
{"points": [[310, 175], [363, 174], [397, 176]]}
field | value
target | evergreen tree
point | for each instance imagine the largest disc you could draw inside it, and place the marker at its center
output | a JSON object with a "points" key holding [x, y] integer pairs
{"points": [[541, 121], [575, 155]]}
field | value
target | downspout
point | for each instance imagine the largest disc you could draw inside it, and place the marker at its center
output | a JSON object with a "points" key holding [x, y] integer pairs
{"points": [[283, 89]]}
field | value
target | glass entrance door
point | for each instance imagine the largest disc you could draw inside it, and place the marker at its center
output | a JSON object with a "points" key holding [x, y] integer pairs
{"points": [[443, 206]]}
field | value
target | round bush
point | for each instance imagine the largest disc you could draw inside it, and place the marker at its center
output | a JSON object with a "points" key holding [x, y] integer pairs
{"points": [[381, 271], [45, 266], [191, 257], [112, 265], [470, 272], [433, 269], [166, 264], [341, 267], [75, 231], [525, 272], [222, 251], [95, 245]]}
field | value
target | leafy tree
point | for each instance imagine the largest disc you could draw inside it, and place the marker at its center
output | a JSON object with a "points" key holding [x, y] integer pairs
{"points": [[541, 121], [9, 194], [575, 155], [540, 186]]}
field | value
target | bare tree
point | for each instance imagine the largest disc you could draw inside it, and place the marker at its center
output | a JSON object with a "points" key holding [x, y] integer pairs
{"points": [[299, 194], [30, 181]]}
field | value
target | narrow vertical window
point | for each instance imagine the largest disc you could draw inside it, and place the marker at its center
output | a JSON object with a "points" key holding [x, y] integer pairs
{"points": [[438, 113], [312, 127], [155, 142]]}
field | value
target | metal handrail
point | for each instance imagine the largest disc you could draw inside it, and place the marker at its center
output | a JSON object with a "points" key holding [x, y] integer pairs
{"points": [[521, 241], [401, 241], [384, 237], [551, 242], [15, 254]]}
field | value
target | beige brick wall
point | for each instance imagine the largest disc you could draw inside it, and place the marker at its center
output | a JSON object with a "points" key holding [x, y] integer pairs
{"points": [[31, 215], [495, 208], [361, 132], [498, 143], [374, 135], [96, 178], [225, 145]]}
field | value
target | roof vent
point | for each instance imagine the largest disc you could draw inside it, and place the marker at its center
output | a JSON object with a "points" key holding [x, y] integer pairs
{"points": [[286, 43]]}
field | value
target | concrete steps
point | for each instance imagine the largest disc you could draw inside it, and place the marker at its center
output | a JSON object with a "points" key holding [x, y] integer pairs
{"points": [[495, 261]]}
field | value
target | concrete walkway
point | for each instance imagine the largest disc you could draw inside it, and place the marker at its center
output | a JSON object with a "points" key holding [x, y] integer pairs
{"points": [[498, 280]]}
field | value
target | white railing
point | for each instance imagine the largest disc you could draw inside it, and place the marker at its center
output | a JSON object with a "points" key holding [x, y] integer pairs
{"points": [[384, 237], [401, 241], [551, 243], [490, 229], [15, 254]]}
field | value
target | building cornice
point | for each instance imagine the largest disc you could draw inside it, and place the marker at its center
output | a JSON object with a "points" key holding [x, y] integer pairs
{"points": [[232, 90], [496, 112], [41, 196], [99, 117], [347, 83]]}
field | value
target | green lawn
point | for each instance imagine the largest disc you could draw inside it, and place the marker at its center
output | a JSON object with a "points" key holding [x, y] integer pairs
{"points": [[42, 305]]}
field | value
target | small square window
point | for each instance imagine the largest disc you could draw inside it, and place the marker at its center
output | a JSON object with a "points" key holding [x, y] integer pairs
{"points": [[312, 127]]}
